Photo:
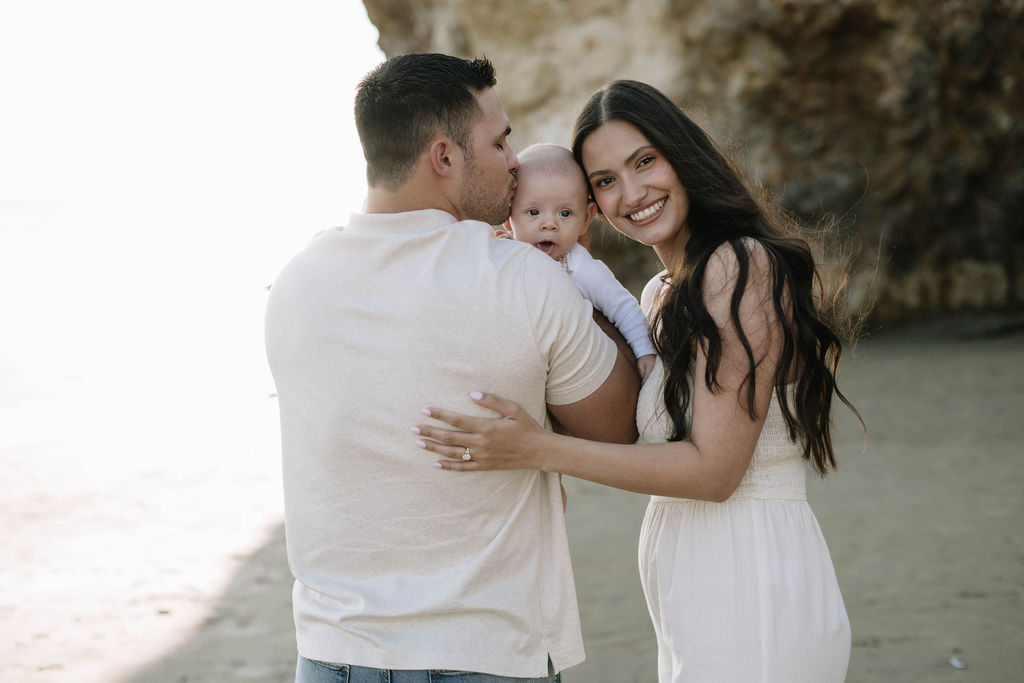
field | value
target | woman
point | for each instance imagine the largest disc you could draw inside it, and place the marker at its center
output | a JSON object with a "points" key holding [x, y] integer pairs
{"points": [[737, 575]]}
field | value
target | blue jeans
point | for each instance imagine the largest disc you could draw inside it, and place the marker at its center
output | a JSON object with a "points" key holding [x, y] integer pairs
{"points": [[309, 671]]}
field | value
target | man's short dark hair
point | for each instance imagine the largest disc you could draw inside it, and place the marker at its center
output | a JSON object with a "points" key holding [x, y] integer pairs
{"points": [[408, 99]]}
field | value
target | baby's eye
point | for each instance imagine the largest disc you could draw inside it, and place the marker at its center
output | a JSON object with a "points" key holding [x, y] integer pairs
{"points": [[533, 212], [565, 213]]}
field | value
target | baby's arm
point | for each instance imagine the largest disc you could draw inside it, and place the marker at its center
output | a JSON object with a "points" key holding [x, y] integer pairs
{"points": [[599, 286]]}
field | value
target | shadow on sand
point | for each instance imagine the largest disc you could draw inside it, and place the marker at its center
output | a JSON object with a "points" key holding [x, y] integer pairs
{"points": [[923, 526], [248, 637]]}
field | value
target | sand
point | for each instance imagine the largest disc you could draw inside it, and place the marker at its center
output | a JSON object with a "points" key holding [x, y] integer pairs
{"points": [[172, 570]]}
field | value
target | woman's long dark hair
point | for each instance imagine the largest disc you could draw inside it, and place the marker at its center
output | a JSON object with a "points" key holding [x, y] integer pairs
{"points": [[723, 210]]}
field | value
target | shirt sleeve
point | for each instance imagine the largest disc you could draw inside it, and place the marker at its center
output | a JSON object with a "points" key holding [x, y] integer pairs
{"points": [[598, 284], [579, 355]]}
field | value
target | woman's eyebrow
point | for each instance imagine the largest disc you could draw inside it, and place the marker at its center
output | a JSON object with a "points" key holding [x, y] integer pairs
{"points": [[637, 152]]}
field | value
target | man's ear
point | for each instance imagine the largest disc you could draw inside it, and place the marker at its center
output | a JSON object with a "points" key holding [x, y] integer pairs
{"points": [[442, 153]]}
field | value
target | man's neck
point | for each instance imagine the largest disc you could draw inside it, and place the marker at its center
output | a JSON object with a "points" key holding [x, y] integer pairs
{"points": [[407, 198]]}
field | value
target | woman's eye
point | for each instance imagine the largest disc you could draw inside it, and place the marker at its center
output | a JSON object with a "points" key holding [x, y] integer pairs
{"points": [[645, 161], [603, 182]]}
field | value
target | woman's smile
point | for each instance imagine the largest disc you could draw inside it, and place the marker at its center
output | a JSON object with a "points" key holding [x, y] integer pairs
{"points": [[648, 213]]}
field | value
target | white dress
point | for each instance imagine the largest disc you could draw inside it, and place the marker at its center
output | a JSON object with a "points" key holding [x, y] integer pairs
{"points": [[744, 590]]}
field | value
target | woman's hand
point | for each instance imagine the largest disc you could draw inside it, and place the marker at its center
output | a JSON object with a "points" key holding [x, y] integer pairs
{"points": [[509, 442]]}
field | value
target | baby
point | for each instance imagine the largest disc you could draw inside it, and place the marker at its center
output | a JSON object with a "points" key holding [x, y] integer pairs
{"points": [[552, 211]]}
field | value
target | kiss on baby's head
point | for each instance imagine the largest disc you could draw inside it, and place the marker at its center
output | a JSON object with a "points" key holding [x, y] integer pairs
{"points": [[551, 209]]}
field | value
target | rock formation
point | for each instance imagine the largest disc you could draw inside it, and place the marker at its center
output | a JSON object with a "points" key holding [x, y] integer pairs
{"points": [[903, 118]]}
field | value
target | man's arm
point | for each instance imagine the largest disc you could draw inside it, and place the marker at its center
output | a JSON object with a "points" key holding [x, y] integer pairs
{"points": [[608, 414], [609, 328]]}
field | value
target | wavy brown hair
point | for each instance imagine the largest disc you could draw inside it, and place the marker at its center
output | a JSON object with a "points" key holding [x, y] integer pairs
{"points": [[723, 210]]}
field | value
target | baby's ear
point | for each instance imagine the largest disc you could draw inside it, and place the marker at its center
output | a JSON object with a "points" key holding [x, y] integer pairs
{"points": [[588, 218], [584, 237]]}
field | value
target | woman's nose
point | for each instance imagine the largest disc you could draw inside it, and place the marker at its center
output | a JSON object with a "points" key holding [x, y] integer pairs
{"points": [[633, 192]]}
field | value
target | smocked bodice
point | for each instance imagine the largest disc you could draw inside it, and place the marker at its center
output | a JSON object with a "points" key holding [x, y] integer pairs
{"points": [[776, 469]]}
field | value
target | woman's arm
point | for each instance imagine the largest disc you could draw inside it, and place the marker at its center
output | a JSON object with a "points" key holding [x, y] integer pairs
{"points": [[707, 467]]}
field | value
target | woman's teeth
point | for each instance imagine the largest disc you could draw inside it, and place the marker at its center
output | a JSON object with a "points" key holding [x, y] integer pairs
{"points": [[648, 212]]}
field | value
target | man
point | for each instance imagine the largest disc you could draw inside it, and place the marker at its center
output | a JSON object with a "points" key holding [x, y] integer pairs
{"points": [[403, 570]]}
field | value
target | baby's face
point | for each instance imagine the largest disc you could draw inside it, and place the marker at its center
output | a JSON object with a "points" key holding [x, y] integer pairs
{"points": [[550, 211]]}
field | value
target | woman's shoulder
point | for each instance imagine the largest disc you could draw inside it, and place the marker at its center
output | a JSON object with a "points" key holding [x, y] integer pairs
{"points": [[725, 256], [724, 264], [725, 272]]}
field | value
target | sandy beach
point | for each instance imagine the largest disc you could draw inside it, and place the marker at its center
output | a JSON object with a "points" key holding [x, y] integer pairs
{"points": [[171, 569]]}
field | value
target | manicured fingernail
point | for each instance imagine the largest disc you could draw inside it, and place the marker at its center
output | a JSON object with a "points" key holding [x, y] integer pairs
{"points": [[426, 411], [421, 444], [476, 395], [415, 430], [438, 465]]}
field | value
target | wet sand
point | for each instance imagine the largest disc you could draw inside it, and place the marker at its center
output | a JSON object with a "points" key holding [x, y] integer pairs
{"points": [[173, 570]]}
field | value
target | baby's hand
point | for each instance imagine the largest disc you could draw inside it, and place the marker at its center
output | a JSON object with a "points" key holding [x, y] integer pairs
{"points": [[503, 234], [645, 364]]}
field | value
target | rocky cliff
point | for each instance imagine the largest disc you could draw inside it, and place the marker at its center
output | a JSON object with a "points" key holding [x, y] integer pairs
{"points": [[904, 118]]}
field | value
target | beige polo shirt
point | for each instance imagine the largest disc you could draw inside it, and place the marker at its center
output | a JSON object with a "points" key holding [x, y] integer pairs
{"points": [[398, 564]]}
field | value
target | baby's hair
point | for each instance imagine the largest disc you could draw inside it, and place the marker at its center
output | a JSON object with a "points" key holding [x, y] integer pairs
{"points": [[552, 159], [549, 147]]}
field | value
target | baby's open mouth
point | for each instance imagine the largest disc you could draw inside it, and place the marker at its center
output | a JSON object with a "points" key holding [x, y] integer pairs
{"points": [[547, 246]]}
